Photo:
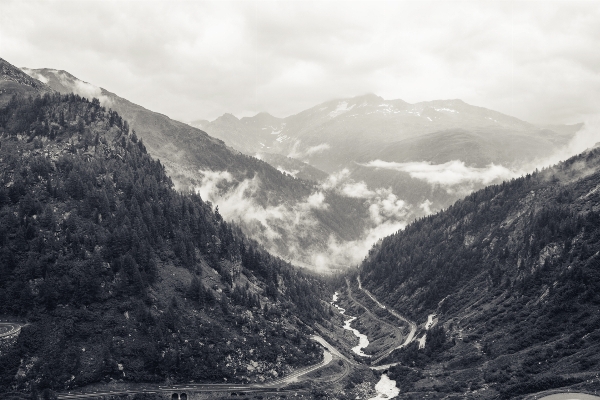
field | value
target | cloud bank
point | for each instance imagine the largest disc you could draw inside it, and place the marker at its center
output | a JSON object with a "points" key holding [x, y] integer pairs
{"points": [[454, 176], [286, 229], [198, 60]]}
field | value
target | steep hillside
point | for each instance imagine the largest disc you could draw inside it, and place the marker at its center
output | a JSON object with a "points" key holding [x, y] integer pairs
{"points": [[512, 273], [271, 206], [119, 276]]}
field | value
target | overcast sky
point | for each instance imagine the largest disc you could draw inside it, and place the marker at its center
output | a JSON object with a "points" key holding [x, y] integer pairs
{"points": [[539, 61]]}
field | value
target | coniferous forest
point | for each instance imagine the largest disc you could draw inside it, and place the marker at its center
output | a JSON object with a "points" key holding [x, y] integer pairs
{"points": [[513, 274], [122, 278]]}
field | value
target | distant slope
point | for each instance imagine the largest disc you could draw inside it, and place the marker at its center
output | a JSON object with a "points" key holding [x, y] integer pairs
{"points": [[350, 133], [358, 128], [119, 276], [512, 272], [293, 167], [181, 148]]}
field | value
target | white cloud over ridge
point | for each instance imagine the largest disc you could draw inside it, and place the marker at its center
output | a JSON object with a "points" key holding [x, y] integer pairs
{"points": [[455, 176], [303, 154], [290, 224]]}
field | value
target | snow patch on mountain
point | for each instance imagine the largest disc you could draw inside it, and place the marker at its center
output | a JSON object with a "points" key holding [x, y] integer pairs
{"points": [[446, 109], [341, 108]]}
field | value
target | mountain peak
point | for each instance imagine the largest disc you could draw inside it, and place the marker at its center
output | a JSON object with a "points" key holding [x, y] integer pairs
{"points": [[261, 118], [368, 97], [228, 117]]}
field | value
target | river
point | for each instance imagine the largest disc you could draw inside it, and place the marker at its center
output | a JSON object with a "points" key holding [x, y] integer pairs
{"points": [[363, 340], [385, 388]]}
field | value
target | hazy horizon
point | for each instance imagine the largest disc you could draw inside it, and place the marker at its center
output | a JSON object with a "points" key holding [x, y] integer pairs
{"points": [[199, 60]]}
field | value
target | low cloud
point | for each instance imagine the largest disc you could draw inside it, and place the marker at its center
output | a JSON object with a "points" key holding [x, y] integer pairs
{"points": [[35, 75], [208, 188], [285, 229], [587, 137], [284, 171], [83, 89], [300, 154], [384, 205], [454, 176], [353, 252], [267, 224], [426, 206]]}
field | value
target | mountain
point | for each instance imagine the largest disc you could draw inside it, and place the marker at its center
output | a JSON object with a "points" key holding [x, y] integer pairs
{"points": [[358, 128], [120, 277], [511, 274], [14, 82], [355, 132], [293, 167], [295, 218]]}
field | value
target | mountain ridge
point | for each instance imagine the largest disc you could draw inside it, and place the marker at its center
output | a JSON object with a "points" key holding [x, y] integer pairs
{"points": [[350, 133], [238, 182], [511, 275]]}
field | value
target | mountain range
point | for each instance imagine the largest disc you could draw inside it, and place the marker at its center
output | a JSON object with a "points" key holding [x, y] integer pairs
{"points": [[291, 216], [377, 140], [121, 270]]}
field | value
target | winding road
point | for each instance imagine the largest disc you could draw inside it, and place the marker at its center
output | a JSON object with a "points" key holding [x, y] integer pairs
{"points": [[8, 329], [411, 324], [278, 385]]}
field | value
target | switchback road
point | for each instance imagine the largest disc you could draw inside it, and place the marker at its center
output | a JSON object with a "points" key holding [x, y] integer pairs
{"points": [[9, 329]]}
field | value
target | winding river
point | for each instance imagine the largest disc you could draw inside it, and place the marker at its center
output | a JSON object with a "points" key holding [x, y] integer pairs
{"points": [[385, 388], [363, 341]]}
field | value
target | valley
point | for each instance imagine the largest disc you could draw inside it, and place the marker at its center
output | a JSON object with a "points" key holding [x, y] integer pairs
{"points": [[302, 382], [126, 276]]}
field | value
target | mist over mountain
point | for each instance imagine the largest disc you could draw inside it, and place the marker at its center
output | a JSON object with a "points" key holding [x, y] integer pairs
{"points": [[123, 278], [379, 141], [289, 207], [14, 82], [120, 276]]}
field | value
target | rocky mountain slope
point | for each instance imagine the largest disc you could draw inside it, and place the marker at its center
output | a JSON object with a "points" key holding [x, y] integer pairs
{"points": [[119, 276], [14, 81], [511, 274]]}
